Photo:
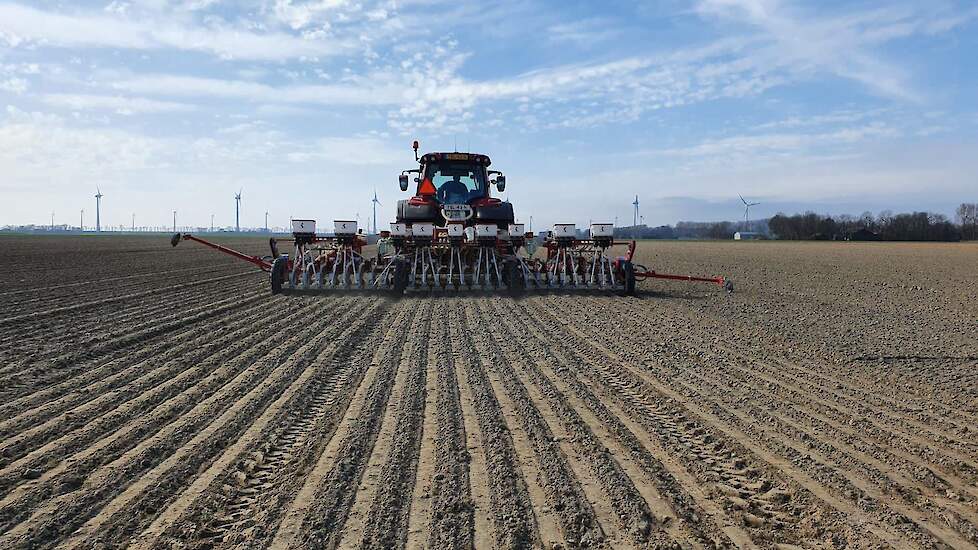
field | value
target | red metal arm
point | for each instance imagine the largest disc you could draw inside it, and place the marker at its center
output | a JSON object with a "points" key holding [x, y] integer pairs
{"points": [[257, 260], [650, 274]]}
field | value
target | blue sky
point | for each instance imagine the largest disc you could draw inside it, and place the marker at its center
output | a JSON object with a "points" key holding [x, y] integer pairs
{"points": [[311, 105]]}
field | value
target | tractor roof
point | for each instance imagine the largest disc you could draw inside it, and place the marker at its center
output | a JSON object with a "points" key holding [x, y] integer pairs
{"points": [[456, 157]]}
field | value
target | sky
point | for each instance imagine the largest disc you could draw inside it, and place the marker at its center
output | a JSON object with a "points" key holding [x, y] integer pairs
{"points": [[309, 106]]}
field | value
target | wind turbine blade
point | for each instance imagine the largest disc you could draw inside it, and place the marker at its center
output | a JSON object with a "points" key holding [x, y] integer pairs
{"points": [[741, 198]]}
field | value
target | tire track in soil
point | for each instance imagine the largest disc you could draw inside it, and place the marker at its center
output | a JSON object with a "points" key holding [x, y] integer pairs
{"points": [[550, 358], [565, 496], [327, 508], [390, 487], [64, 513], [116, 523], [129, 422], [449, 519], [503, 515], [241, 497], [891, 410], [39, 425], [675, 409], [868, 481], [853, 472], [288, 530], [591, 460], [870, 457]]}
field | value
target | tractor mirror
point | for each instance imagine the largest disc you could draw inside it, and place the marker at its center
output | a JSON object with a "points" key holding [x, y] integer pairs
{"points": [[403, 181], [501, 183]]}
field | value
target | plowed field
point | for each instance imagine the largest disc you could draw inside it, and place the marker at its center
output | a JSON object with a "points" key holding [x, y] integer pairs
{"points": [[161, 398]]}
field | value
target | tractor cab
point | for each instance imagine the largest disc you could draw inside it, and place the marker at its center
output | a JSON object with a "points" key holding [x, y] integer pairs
{"points": [[453, 186]]}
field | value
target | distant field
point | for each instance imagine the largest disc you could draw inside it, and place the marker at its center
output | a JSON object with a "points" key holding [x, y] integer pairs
{"points": [[160, 397]]}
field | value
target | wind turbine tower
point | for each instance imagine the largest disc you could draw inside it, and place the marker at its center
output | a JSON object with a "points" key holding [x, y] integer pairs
{"points": [[266, 221], [98, 210], [747, 206], [174, 221], [376, 202], [635, 214], [81, 222], [237, 211]]}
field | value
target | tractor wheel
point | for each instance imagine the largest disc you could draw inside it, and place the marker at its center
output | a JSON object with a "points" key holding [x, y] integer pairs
{"points": [[514, 278], [279, 266], [628, 270], [400, 277]]}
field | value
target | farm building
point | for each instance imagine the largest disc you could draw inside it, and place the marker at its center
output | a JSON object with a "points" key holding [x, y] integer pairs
{"points": [[748, 236]]}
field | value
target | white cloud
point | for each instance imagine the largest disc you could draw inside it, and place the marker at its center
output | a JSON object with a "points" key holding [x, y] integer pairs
{"points": [[118, 104], [20, 23]]}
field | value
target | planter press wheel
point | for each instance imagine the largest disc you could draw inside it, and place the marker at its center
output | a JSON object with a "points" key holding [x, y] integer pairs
{"points": [[279, 267]]}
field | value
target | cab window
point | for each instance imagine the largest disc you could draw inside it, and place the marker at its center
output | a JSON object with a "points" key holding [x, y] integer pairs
{"points": [[456, 182]]}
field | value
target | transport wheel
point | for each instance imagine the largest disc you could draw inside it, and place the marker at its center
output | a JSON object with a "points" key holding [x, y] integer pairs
{"points": [[278, 274], [400, 277], [514, 279], [629, 272]]}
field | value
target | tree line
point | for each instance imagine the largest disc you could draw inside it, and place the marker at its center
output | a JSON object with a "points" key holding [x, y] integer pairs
{"points": [[886, 226]]}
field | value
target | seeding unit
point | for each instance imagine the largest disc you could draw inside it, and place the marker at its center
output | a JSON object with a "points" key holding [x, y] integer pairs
{"points": [[453, 235]]}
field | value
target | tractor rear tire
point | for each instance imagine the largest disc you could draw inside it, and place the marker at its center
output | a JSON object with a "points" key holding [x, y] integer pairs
{"points": [[628, 270], [279, 267], [400, 277]]}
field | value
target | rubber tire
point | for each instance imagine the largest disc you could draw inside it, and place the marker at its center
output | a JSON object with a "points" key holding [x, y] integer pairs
{"points": [[400, 277], [279, 267], [628, 271], [514, 279]]}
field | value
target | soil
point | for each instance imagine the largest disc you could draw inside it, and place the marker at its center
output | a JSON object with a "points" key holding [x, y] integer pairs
{"points": [[158, 397]]}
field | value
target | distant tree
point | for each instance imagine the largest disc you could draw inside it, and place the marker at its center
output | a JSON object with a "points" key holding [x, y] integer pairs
{"points": [[967, 216]]}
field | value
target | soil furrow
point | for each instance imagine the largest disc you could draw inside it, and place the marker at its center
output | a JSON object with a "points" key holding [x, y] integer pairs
{"points": [[516, 523], [65, 512], [579, 525], [37, 407], [131, 421], [762, 491], [331, 505], [450, 521], [241, 495], [289, 527], [666, 496]]}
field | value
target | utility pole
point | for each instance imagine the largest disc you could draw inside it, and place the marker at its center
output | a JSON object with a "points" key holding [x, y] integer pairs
{"points": [[266, 221], [133, 222], [52, 220], [212, 223], [82, 222]]}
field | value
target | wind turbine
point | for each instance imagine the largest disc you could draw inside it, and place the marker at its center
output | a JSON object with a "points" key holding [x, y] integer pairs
{"points": [[82, 221], [376, 202], [747, 206], [98, 208], [237, 211], [635, 214], [266, 221]]}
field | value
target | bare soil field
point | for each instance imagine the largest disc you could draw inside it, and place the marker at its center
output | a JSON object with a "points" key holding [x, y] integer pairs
{"points": [[157, 397]]}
